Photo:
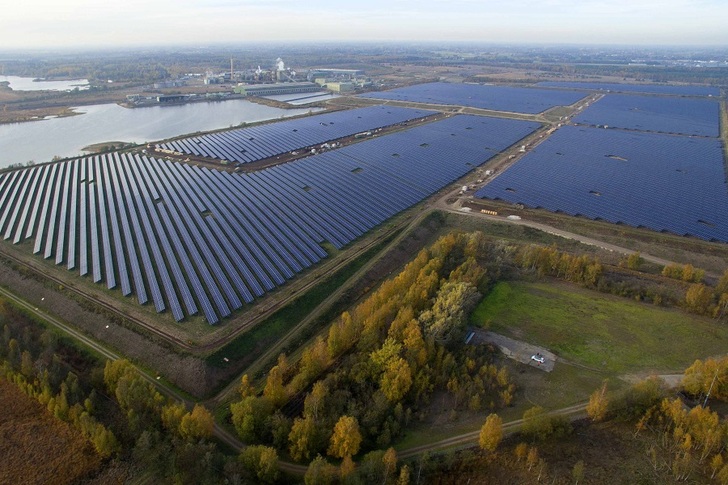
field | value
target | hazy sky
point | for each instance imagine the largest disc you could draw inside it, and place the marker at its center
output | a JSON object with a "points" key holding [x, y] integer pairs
{"points": [[60, 23]]}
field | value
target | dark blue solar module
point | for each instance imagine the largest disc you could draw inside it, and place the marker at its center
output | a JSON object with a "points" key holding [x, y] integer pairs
{"points": [[192, 240], [661, 182], [650, 113], [691, 90], [498, 98], [247, 145]]}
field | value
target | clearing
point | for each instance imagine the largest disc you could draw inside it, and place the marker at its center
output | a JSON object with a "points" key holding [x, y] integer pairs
{"points": [[602, 332]]}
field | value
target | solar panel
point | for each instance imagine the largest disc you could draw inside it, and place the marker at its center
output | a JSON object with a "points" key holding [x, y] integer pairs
{"points": [[662, 182], [498, 98]]}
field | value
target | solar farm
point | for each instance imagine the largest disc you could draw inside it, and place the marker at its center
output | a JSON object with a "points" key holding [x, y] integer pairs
{"points": [[691, 90], [686, 116], [248, 145], [641, 179], [497, 98], [191, 241]]}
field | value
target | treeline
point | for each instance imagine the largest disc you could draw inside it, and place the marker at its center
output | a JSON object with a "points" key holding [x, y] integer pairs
{"points": [[687, 438], [136, 429], [378, 366], [30, 359], [588, 271]]}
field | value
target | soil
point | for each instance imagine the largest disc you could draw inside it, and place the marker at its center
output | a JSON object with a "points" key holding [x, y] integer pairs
{"points": [[35, 447]]}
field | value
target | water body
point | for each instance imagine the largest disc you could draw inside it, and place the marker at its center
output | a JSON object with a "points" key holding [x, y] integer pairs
{"points": [[28, 84], [40, 141]]}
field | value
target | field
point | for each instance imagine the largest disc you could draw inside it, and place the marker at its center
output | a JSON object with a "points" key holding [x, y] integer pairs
{"points": [[602, 332], [35, 447]]}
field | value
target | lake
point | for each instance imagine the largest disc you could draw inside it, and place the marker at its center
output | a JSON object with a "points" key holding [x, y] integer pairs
{"points": [[28, 84], [42, 140]]}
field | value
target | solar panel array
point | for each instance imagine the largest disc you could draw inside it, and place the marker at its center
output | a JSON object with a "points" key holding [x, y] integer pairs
{"points": [[247, 145], [189, 240], [689, 90], [662, 182], [498, 98], [686, 116]]}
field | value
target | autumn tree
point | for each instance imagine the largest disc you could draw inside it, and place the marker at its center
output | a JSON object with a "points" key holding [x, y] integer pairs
{"points": [[274, 389], [452, 305], [346, 439], [491, 433], [698, 298], [598, 404], [197, 424], [709, 375], [302, 438], [262, 462]]}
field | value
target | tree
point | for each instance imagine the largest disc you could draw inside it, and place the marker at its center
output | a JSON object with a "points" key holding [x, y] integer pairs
{"points": [[314, 402], [634, 261], [347, 467], [249, 415], [453, 303], [172, 415], [320, 472], [716, 463], [246, 389], [389, 460], [491, 433], [104, 441], [598, 404], [197, 424], [396, 380], [302, 438], [536, 423], [404, 475], [346, 439], [698, 298], [578, 472], [261, 461], [274, 389]]}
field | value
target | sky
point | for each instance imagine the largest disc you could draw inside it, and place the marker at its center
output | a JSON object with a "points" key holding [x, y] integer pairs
{"points": [[104, 23]]}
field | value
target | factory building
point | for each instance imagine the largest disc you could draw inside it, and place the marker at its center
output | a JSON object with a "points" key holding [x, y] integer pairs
{"points": [[278, 88]]}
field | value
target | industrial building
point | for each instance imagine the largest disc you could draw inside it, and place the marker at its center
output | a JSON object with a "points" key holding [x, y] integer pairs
{"points": [[277, 88]]}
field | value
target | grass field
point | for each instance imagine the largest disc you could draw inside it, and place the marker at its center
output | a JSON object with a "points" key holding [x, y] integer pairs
{"points": [[603, 332]]}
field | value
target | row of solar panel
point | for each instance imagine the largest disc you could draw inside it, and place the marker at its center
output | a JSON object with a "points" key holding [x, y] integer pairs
{"points": [[247, 145], [192, 240], [498, 98], [649, 113], [662, 182], [687, 90]]}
